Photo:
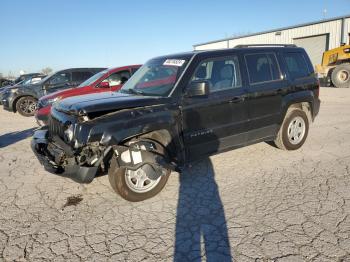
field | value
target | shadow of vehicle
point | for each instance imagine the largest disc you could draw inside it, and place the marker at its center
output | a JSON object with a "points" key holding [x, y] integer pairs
{"points": [[14, 137], [201, 230]]}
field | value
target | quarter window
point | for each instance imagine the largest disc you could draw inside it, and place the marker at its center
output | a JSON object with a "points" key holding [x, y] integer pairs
{"points": [[262, 68], [296, 65], [222, 74]]}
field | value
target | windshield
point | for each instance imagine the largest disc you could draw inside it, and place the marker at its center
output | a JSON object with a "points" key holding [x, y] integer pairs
{"points": [[92, 79], [155, 78]]}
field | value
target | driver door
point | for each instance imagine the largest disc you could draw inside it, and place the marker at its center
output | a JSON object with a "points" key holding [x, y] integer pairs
{"points": [[218, 121]]}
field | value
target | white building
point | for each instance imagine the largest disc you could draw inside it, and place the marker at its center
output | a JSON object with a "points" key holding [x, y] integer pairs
{"points": [[315, 37]]}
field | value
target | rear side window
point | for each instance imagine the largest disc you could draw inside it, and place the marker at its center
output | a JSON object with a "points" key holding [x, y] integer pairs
{"points": [[81, 76], [262, 67], [296, 65]]}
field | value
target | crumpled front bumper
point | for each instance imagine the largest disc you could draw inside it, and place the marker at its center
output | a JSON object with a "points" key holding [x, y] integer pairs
{"points": [[49, 153]]}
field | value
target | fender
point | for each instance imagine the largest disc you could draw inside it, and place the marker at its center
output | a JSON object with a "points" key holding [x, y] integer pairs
{"points": [[298, 97], [160, 122]]}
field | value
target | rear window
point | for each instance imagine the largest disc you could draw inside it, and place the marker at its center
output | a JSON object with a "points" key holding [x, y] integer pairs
{"points": [[296, 65], [262, 67]]}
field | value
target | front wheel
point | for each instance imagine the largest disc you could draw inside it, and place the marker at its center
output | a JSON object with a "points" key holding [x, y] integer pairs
{"points": [[136, 185], [293, 131], [26, 106]]}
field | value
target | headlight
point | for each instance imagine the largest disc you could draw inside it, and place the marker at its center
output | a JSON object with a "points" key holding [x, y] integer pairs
{"points": [[11, 90], [69, 133]]}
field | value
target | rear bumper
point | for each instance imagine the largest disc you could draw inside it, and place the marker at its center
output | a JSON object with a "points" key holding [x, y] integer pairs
{"points": [[50, 155]]}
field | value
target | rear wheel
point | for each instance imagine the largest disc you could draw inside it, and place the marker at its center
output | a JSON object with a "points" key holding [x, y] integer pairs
{"points": [[341, 76], [293, 131], [26, 106]]}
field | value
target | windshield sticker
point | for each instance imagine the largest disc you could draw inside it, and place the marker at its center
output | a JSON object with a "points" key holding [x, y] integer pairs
{"points": [[174, 62]]}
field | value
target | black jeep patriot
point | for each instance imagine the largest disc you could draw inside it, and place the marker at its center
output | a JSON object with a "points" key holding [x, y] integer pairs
{"points": [[179, 108]]}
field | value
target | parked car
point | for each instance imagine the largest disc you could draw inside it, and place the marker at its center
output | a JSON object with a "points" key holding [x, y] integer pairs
{"points": [[104, 81], [27, 82], [19, 79], [5, 82], [179, 108], [24, 98]]}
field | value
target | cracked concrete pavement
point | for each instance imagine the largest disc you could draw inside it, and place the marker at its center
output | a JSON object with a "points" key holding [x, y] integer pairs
{"points": [[256, 203]]}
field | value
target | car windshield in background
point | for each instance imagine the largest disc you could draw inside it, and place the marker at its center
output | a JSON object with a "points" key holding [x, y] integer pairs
{"points": [[156, 78], [92, 79]]}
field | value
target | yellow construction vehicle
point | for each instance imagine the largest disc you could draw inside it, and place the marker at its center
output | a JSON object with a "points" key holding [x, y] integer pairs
{"points": [[335, 67]]}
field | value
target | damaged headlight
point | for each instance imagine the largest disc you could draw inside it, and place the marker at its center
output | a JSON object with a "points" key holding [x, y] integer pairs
{"points": [[69, 133]]}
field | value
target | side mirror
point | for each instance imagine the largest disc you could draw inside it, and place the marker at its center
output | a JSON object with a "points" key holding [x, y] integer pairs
{"points": [[104, 84], [198, 88]]}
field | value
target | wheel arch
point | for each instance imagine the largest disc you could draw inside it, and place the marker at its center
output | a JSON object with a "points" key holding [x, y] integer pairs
{"points": [[303, 101]]}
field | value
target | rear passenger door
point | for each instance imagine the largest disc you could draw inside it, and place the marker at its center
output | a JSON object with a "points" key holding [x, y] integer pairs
{"points": [[266, 86], [79, 76]]}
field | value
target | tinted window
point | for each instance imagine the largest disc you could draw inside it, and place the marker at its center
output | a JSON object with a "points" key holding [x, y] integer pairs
{"points": [[296, 65], [81, 76], [262, 67], [59, 78], [221, 74]]}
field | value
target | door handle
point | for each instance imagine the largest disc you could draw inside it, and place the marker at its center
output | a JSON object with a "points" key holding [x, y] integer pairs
{"points": [[237, 99]]}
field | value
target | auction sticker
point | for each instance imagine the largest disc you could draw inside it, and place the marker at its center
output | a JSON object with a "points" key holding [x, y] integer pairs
{"points": [[174, 62]]}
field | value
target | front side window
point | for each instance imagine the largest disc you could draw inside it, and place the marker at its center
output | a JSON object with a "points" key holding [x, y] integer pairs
{"points": [[155, 78], [296, 65], [59, 78], [262, 67], [118, 78], [221, 73]]}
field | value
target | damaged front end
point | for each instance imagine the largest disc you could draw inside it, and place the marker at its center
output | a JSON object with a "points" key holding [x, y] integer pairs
{"points": [[57, 157], [84, 163]]}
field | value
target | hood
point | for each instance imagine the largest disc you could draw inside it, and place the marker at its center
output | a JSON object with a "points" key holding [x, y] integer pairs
{"points": [[105, 102], [61, 93]]}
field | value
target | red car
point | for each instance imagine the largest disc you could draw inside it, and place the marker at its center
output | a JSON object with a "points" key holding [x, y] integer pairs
{"points": [[104, 81]]}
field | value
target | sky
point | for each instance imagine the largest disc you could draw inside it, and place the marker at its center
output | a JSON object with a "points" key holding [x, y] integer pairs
{"points": [[108, 33]]}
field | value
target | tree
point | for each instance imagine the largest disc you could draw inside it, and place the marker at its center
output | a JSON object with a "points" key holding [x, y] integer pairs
{"points": [[46, 70]]}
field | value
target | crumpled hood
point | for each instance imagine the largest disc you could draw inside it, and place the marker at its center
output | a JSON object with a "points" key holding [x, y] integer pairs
{"points": [[105, 102]]}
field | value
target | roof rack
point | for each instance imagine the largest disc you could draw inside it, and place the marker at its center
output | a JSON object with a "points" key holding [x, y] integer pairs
{"points": [[263, 45]]}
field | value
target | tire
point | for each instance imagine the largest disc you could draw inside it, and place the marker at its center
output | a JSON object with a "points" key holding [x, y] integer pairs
{"points": [[26, 106], [293, 131], [341, 76], [120, 182]]}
